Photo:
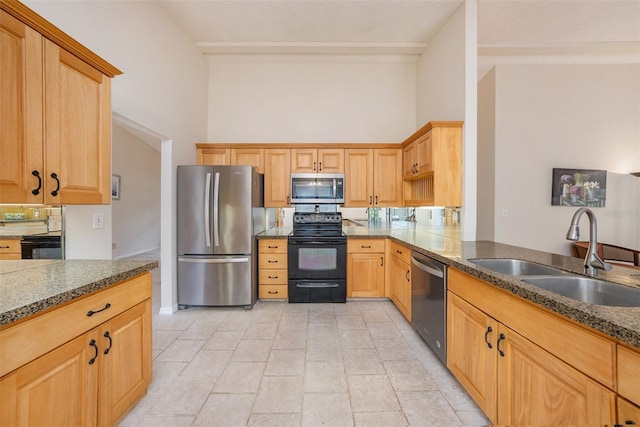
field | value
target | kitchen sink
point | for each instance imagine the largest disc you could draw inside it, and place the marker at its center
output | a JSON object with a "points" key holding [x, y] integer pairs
{"points": [[592, 291], [517, 267]]}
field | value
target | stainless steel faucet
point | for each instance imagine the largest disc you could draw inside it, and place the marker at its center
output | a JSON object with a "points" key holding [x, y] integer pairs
{"points": [[591, 260]]}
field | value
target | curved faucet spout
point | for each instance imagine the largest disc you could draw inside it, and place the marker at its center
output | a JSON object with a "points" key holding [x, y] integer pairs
{"points": [[591, 261]]}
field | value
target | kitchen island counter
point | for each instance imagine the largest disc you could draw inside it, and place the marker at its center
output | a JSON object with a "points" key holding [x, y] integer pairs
{"points": [[31, 287], [444, 245]]}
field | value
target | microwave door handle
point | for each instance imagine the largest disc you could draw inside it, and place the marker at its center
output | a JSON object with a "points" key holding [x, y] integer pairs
{"points": [[335, 186], [216, 213], [207, 192]]}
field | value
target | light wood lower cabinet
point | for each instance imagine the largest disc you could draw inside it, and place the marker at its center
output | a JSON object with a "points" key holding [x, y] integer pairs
{"points": [[92, 379], [365, 268], [513, 379], [628, 413], [273, 273], [629, 374], [400, 277], [10, 249]]}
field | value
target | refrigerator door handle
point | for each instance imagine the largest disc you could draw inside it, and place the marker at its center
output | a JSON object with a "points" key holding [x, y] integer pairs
{"points": [[216, 202], [213, 260], [207, 192]]}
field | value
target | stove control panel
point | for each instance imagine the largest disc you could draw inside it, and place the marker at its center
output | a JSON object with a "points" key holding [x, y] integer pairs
{"points": [[317, 218]]}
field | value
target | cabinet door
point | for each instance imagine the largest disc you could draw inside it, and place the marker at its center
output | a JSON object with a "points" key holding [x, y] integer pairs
{"points": [[77, 130], [409, 161], [423, 154], [628, 413], [536, 388], [365, 275], [213, 156], [471, 354], [400, 288], [125, 361], [248, 156], [277, 165], [387, 177], [57, 389], [358, 177], [304, 160], [330, 160], [21, 118]]}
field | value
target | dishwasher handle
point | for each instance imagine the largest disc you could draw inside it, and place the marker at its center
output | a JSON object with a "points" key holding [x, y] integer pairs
{"points": [[428, 267]]}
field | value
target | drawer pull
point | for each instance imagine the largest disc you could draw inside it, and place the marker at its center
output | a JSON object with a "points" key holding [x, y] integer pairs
{"points": [[272, 247], [270, 261], [272, 277], [272, 292], [365, 246], [92, 343], [489, 330], [381, 261], [5, 247], [106, 335], [91, 312]]}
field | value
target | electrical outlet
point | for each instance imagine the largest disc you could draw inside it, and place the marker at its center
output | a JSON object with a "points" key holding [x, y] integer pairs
{"points": [[113, 246], [98, 220]]}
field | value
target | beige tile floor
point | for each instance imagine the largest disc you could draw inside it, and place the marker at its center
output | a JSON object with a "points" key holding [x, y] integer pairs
{"points": [[281, 364]]}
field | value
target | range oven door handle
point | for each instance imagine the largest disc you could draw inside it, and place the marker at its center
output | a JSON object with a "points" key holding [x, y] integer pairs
{"points": [[317, 285], [317, 242]]}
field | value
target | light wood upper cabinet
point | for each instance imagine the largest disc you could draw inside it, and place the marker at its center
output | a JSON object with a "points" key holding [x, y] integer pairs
{"points": [[213, 156], [373, 177], [432, 165], [277, 191], [248, 156], [55, 145], [321, 160], [21, 124]]}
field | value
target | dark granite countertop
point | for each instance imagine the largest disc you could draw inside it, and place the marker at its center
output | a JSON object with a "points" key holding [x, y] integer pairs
{"points": [[31, 286], [444, 245]]}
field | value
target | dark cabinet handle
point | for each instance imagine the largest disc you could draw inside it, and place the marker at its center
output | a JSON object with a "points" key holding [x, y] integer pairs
{"points": [[407, 275], [5, 247], [272, 277], [500, 338], [314, 166], [270, 261], [106, 335], [626, 423], [272, 247], [320, 166], [92, 312], [54, 193], [288, 200], [376, 200], [272, 292], [381, 261], [92, 343], [489, 330], [370, 200], [398, 252], [365, 246], [37, 190]]}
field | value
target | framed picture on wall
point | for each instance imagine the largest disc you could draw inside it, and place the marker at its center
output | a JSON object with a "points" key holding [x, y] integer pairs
{"points": [[579, 187], [115, 187]]}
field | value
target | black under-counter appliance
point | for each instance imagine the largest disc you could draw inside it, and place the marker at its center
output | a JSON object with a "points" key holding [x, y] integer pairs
{"points": [[41, 246], [317, 258]]}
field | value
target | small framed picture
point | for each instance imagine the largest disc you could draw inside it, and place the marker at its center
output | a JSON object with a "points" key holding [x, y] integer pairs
{"points": [[115, 187]]}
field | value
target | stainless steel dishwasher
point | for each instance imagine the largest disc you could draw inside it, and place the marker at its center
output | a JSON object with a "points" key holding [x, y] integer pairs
{"points": [[429, 302]]}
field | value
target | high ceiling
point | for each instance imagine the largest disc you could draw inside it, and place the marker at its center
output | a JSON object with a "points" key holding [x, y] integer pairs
{"points": [[397, 25]]}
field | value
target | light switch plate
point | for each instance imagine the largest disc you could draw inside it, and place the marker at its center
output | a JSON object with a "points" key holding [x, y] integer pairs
{"points": [[98, 220]]}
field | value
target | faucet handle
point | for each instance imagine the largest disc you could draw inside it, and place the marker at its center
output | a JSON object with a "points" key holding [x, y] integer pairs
{"points": [[599, 263]]}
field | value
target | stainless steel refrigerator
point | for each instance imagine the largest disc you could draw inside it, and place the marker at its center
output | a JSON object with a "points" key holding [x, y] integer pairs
{"points": [[220, 211]]}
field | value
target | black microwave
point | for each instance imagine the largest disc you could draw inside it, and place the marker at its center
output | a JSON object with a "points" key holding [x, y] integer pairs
{"points": [[317, 188]]}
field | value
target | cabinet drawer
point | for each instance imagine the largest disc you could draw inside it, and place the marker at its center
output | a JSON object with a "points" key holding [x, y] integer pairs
{"points": [[578, 346], [276, 276], [14, 256], [400, 251], [36, 336], [273, 291], [271, 261], [365, 245], [629, 374], [272, 246], [10, 247]]}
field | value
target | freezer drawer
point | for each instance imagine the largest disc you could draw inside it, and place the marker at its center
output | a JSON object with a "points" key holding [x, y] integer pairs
{"points": [[216, 281]]}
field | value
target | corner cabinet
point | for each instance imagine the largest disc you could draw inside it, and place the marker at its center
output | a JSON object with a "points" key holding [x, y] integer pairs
{"points": [[70, 367], [513, 360], [432, 165], [56, 118]]}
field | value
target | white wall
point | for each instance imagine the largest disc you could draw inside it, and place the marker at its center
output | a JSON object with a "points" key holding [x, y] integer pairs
{"points": [[571, 116], [136, 215], [486, 157], [311, 98]]}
